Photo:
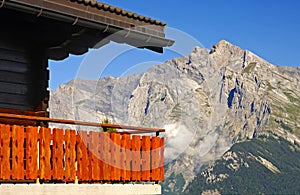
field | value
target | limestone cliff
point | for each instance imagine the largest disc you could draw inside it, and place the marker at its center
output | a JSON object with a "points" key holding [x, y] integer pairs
{"points": [[207, 101]]}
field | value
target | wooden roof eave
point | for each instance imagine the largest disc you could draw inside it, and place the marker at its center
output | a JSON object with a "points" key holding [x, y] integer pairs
{"points": [[134, 37]]}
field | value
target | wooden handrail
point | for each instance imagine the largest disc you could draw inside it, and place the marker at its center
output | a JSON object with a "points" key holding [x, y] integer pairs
{"points": [[134, 129]]}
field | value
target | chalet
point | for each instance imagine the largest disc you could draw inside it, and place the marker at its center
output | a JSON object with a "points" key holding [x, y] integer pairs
{"points": [[34, 31]]}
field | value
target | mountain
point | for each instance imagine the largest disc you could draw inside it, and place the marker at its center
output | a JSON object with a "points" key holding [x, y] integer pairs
{"points": [[265, 165], [207, 102]]}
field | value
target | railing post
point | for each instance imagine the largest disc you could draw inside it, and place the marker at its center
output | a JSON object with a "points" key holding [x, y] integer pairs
{"points": [[157, 133]]}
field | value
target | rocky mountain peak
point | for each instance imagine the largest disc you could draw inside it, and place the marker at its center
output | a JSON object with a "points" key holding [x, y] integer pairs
{"points": [[207, 101], [225, 47]]}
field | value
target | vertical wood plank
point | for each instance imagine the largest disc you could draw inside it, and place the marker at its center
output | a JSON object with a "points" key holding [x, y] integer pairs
{"points": [[106, 157], [70, 168], [129, 156], [116, 156], [95, 162], [31, 153], [112, 157], [58, 154], [101, 155], [126, 157], [83, 165], [18, 152], [5, 136], [45, 166], [136, 158], [2, 128], [155, 145], [162, 158], [146, 145]]}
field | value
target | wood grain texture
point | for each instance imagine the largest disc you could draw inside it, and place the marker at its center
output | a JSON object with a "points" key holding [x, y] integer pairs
{"points": [[45, 154], [70, 168], [146, 145], [155, 145], [116, 156], [162, 159], [31, 153], [83, 162], [126, 157], [5, 136], [91, 157], [136, 158], [95, 161], [18, 152], [106, 157], [58, 154]]}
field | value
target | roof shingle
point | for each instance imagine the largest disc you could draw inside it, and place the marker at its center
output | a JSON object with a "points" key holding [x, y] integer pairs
{"points": [[118, 11]]}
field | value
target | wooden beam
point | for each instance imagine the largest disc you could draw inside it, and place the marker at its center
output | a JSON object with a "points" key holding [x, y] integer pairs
{"points": [[73, 122]]}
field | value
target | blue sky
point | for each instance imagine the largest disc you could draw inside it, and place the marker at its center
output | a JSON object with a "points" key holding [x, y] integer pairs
{"points": [[269, 28]]}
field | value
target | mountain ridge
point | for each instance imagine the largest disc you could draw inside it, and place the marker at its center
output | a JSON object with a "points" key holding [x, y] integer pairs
{"points": [[207, 101]]}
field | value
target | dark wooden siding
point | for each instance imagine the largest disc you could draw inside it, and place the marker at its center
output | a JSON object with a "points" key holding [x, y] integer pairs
{"points": [[23, 75]]}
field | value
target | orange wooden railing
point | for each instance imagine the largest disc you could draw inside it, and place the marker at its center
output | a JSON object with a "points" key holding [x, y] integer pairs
{"points": [[39, 153]]}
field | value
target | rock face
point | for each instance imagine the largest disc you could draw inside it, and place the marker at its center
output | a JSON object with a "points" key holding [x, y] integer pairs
{"points": [[264, 165], [207, 101]]}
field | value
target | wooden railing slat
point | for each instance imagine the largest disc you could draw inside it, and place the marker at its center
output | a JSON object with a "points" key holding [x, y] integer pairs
{"points": [[116, 156], [146, 145], [162, 159], [70, 167], [58, 154], [45, 166], [5, 136], [95, 161], [31, 153], [83, 165], [126, 157], [136, 158], [106, 157], [101, 153], [18, 152], [155, 144]]}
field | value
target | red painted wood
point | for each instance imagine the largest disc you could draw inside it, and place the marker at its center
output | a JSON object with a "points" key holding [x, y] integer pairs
{"points": [[58, 154], [125, 157], [106, 157], [129, 157], [83, 165], [133, 129], [18, 152], [162, 149], [94, 150], [5, 136], [70, 168], [146, 145], [45, 154], [116, 156], [101, 155], [136, 158], [155, 158], [31, 153]]}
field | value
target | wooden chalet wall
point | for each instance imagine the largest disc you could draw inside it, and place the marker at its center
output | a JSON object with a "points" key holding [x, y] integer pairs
{"points": [[23, 73]]}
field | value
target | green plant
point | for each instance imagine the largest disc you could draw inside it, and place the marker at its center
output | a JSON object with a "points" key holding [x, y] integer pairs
{"points": [[250, 67], [290, 96], [107, 129], [270, 87]]}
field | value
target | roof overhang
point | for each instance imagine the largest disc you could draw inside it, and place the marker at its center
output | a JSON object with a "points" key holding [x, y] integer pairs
{"points": [[89, 28]]}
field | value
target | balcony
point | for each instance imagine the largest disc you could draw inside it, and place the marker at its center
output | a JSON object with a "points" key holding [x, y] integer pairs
{"points": [[35, 154]]}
